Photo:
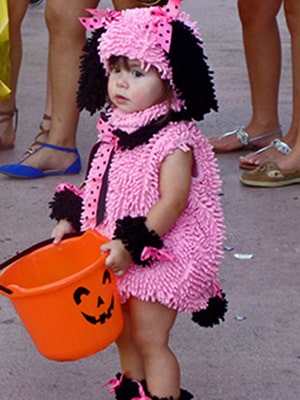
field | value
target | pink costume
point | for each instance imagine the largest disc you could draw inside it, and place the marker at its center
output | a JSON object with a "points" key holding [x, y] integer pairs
{"points": [[184, 277], [183, 273]]}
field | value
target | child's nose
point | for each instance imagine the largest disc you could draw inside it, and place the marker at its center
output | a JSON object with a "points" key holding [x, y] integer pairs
{"points": [[122, 81]]}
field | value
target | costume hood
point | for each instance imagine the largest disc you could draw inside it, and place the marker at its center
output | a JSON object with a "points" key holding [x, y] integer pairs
{"points": [[162, 37]]}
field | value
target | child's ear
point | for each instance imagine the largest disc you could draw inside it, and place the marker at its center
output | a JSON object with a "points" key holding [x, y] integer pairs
{"points": [[92, 92], [191, 74]]}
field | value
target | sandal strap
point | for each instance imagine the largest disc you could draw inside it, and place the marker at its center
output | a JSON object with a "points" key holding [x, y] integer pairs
{"points": [[46, 117], [244, 138], [37, 142], [8, 115], [278, 144], [266, 136], [59, 148], [34, 149], [281, 146]]}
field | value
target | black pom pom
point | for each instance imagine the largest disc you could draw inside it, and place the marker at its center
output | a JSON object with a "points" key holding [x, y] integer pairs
{"points": [[191, 74], [66, 205], [92, 92], [128, 389], [214, 312]]}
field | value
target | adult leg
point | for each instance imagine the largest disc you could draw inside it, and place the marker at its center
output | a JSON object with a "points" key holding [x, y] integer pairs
{"points": [[292, 13], [292, 160], [262, 51], [17, 10], [152, 341], [67, 38]]}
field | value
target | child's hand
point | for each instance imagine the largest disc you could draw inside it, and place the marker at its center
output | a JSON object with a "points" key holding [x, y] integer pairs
{"points": [[61, 229], [118, 259]]}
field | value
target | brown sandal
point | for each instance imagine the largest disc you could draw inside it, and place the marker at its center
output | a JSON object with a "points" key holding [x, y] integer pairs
{"points": [[7, 116], [37, 140]]}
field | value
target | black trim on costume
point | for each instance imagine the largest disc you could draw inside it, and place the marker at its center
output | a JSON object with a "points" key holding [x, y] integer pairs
{"points": [[66, 205], [135, 236], [143, 134], [214, 312]]}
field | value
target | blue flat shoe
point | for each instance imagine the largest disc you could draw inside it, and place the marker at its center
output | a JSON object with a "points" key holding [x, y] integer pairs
{"points": [[26, 172]]}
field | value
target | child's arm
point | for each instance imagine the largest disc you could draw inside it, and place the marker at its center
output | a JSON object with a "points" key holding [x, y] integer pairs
{"points": [[174, 186]]}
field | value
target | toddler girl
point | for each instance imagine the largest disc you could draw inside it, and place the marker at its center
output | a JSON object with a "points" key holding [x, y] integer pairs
{"points": [[151, 186]]}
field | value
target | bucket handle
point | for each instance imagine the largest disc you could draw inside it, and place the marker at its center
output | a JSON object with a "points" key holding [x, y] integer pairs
{"points": [[6, 290], [30, 250]]}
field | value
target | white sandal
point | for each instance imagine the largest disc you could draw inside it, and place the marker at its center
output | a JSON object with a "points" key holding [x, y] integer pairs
{"points": [[246, 143]]}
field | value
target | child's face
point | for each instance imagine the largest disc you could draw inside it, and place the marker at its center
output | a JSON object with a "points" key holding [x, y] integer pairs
{"points": [[131, 89]]}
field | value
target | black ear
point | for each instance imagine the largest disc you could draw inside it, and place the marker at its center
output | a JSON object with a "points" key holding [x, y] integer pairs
{"points": [[191, 74], [92, 90]]}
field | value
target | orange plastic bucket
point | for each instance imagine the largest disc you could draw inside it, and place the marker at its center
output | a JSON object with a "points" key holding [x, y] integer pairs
{"points": [[66, 297]]}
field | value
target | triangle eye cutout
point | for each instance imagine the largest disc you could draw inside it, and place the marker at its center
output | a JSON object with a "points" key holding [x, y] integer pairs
{"points": [[106, 277]]}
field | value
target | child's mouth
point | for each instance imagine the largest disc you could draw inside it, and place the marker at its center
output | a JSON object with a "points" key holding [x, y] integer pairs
{"points": [[121, 99]]}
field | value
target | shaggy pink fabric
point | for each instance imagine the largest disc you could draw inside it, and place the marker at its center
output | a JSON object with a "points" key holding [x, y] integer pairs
{"points": [[188, 279]]}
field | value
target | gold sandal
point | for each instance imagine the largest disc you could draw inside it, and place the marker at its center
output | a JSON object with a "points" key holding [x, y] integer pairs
{"points": [[37, 140], [7, 116]]}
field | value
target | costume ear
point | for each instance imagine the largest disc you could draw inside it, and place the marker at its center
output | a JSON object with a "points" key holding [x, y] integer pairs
{"points": [[92, 90], [191, 74]]}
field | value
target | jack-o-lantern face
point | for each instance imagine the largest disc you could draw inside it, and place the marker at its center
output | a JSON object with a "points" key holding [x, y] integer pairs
{"points": [[98, 308]]}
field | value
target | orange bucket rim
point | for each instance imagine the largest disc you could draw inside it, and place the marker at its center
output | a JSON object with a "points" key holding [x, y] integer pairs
{"points": [[18, 291], [15, 291]]}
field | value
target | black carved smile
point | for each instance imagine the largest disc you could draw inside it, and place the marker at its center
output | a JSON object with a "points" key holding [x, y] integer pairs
{"points": [[102, 317]]}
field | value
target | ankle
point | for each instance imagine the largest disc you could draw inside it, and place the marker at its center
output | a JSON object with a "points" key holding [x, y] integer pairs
{"points": [[257, 128], [291, 137]]}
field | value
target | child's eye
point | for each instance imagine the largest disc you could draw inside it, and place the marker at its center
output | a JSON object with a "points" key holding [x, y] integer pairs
{"points": [[137, 73]]}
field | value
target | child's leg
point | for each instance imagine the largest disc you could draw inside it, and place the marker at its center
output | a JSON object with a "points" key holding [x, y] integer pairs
{"points": [[150, 325], [131, 361]]}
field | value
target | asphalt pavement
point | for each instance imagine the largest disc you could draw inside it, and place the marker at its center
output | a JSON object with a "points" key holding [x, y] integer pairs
{"points": [[255, 353]]}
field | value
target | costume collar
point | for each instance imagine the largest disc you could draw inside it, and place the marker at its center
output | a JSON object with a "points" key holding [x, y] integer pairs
{"points": [[130, 122]]}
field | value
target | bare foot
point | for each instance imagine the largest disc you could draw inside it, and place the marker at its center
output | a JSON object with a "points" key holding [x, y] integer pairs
{"points": [[273, 152], [253, 160]]}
